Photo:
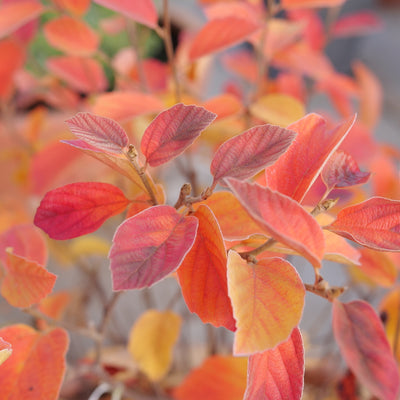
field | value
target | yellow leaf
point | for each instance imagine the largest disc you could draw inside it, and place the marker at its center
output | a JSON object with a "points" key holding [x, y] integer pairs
{"points": [[88, 245], [151, 341]]}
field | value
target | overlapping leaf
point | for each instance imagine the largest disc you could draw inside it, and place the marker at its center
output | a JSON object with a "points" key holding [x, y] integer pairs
{"points": [[277, 374], [202, 274], [5, 350], [297, 169], [149, 246], [267, 300], [283, 218], [151, 341], [37, 366], [363, 344], [172, 131], [374, 223], [78, 208], [248, 153], [100, 132]]}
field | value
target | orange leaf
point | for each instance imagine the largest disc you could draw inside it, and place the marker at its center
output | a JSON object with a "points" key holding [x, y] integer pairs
{"points": [[25, 282], [202, 274], [390, 314], [224, 105], [5, 350], [37, 366], [339, 250], [363, 344], [293, 4], [277, 374], [295, 172], [374, 223], [71, 36], [15, 14], [76, 7], [267, 300], [221, 33], [54, 306], [219, 377]]}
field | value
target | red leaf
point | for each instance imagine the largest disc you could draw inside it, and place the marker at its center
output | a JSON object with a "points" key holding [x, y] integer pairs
{"points": [[295, 172], [363, 344], [100, 132], [293, 4], [202, 274], [283, 218], [220, 33], [142, 11], [149, 246], [15, 14], [172, 131], [374, 223], [37, 366], [267, 300], [78, 208], [277, 374], [248, 153], [71, 36], [25, 282], [359, 23], [342, 171]]}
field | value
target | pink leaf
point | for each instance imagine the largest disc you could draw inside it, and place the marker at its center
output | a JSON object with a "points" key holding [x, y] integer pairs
{"points": [[283, 218], [149, 246], [360, 23], [363, 344], [172, 131], [374, 223], [277, 374], [78, 208], [142, 11], [248, 153], [100, 132]]}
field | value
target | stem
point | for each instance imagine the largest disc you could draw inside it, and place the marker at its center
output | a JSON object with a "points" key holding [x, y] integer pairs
{"points": [[323, 289], [250, 255]]}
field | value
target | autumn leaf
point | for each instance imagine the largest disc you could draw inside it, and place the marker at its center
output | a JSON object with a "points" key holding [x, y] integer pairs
{"points": [[37, 366], [356, 24], [76, 7], [202, 274], [248, 153], [365, 348], [149, 246], [219, 377], [283, 218], [267, 300], [54, 306], [172, 131], [390, 314], [78, 208], [294, 4], [277, 374], [224, 105], [374, 223], [5, 350], [151, 341]]}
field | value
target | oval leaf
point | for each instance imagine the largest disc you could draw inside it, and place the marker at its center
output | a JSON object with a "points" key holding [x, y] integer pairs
{"points": [[202, 274], [374, 223], [78, 208], [283, 218], [267, 300], [172, 131], [363, 344], [248, 153], [277, 374], [100, 132], [149, 246]]}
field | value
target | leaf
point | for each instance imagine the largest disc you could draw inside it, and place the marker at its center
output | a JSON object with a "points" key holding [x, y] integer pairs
{"points": [[294, 4], [5, 350], [224, 105], [295, 172], [219, 377], [151, 341], [15, 14], [374, 223], [390, 314], [25, 282], [202, 274], [78, 208], [54, 306], [267, 300], [363, 344], [283, 218], [341, 170], [76, 7], [149, 246], [221, 33], [356, 24], [71, 36], [172, 131], [248, 153], [100, 132], [37, 366], [277, 374]]}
